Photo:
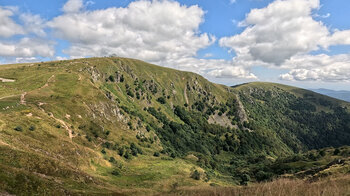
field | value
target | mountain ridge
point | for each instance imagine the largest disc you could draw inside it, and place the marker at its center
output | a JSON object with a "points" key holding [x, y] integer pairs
{"points": [[339, 94], [123, 126]]}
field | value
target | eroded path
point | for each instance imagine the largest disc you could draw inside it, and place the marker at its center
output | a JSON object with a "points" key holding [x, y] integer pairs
{"points": [[64, 124], [6, 80], [51, 79], [23, 98], [8, 96]]}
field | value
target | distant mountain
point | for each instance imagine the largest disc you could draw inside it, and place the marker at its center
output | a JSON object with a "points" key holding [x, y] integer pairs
{"points": [[343, 95]]}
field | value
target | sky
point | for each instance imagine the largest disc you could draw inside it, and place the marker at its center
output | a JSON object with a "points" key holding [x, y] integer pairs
{"points": [[305, 43]]}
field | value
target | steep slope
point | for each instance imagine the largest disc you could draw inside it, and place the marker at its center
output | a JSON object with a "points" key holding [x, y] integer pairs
{"points": [[123, 126], [303, 119]]}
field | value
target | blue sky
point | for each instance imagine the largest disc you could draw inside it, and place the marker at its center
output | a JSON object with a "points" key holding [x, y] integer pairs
{"points": [[297, 42]]}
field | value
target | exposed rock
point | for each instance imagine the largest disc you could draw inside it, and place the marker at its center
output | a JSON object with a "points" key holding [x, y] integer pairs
{"points": [[222, 120]]}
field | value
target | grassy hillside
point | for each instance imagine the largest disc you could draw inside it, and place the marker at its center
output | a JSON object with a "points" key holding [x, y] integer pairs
{"points": [[123, 126]]}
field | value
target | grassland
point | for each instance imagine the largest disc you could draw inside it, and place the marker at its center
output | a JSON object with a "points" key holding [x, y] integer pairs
{"points": [[288, 187]]}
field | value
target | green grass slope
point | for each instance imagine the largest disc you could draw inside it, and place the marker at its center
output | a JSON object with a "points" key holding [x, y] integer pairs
{"points": [[103, 126]]}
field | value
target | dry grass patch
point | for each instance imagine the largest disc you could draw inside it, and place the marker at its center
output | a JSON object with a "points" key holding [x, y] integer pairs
{"points": [[332, 186]]}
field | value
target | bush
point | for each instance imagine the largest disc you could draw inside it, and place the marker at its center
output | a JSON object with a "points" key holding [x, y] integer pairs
{"points": [[130, 125], [263, 176], [130, 93], [196, 175], [127, 155], [121, 151], [135, 150], [138, 96], [156, 154], [161, 100], [32, 128], [18, 128], [148, 128], [88, 138], [111, 78], [103, 151], [107, 145], [112, 159], [115, 172], [336, 151]]}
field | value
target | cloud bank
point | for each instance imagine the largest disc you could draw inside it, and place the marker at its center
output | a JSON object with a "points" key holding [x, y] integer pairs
{"points": [[282, 35]]}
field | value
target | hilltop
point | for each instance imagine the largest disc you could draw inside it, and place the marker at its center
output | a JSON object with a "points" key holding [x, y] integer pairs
{"points": [[123, 126]]}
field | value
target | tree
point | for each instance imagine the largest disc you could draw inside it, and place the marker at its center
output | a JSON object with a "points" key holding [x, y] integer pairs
{"points": [[245, 178]]}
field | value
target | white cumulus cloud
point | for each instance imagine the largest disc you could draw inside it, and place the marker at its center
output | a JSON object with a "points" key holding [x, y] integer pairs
{"points": [[8, 27], [151, 31], [162, 32], [26, 47], [72, 6], [278, 32], [232, 72], [31, 42], [318, 68], [281, 34], [33, 24]]}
